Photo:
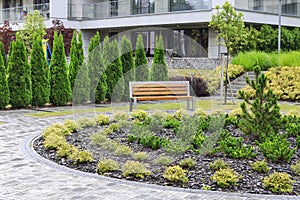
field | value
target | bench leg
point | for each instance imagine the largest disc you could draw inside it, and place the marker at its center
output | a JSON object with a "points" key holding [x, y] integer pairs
{"points": [[134, 103], [188, 104], [193, 103], [130, 104]]}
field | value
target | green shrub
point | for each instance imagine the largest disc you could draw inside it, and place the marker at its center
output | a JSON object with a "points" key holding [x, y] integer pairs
{"points": [[277, 148], [171, 122], [279, 182], [298, 142], [219, 164], [141, 62], [187, 163], [233, 71], [234, 147], [140, 115], [199, 113], [215, 122], [86, 122], [260, 166], [109, 145], [181, 114], [290, 59], [159, 69], [123, 150], [121, 115], [163, 160], [140, 156], [123, 124], [4, 89], [98, 138], [198, 140], [225, 177], [114, 127], [81, 156], [65, 150], [107, 165], [153, 141], [296, 168], [253, 58], [176, 174], [293, 129], [53, 141], [101, 119], [107, 131], [135, 169], [57, 129], [71, 125]]}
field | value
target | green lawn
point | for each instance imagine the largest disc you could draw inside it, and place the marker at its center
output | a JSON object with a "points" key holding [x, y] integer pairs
{"points": [[206, 105]]}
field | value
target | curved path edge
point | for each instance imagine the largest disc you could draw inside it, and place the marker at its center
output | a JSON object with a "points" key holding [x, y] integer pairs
{"points": [[27, 149]]}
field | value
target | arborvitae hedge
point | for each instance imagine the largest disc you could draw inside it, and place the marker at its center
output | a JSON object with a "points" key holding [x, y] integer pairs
{"points": [[74, 64], [98, 86], [127, 64], [141, 63], [60, 84], [114, 71], [2, 49], [81, 89], [19, 80], [4, 91], [159, 70], [39, 74]]}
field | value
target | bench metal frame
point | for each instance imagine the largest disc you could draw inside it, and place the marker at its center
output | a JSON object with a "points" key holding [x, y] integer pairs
{"points": [[134, 99]]}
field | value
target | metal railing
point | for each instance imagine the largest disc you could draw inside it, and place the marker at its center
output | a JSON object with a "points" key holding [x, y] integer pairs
{"points": [[17, 14], [119, 8]]}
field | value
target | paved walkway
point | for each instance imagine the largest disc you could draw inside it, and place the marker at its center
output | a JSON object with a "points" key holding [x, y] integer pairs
{"points": [[24, 175]]}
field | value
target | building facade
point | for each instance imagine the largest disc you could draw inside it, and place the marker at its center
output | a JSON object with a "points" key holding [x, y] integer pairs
{"points": [[183, 23]]}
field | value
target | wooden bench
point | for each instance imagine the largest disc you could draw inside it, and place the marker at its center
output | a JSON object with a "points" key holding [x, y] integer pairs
{"points": [[160, 90]]}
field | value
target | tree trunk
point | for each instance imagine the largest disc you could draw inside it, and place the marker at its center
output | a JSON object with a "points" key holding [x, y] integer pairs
{"points": [[226, 79]]}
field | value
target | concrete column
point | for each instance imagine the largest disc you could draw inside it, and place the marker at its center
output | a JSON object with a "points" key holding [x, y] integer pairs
{"points": [[162, 6], [213, 46], [59, 9]]}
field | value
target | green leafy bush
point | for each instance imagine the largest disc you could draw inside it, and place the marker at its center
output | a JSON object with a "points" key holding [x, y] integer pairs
{"points": [[120, 115], [187, 163], [171, 122], [114, 127], [123, 150], [140, 115], [71, 125], [124, 124], [233, 71], [199, 113], [198, 140], [140, 156], [293, 129], [296, 168], [219, 164], [176, 174], [107, 165], [260, 166], [65, 150], [81, 156], [234, 147], [279, 182], [98, 138], [215, 122], [101, 119], [277, 148], [181, 114], [58, 129], [109, 145], [86, 122], [163, 160], [225, 177], [53, 141], [135, 169]]}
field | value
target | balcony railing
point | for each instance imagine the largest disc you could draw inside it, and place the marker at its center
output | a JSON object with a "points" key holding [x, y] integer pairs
{"points": [[289, 7], [119, 8], [17, 14]]}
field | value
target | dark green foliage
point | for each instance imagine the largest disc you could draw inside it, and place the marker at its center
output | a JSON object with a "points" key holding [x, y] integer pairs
{"points": [[267, 40], [19, 80], [73, 67], [81, 88], [128, 65], [98, 85], [265, 115], [2, 49], [39, 74], [171, 122], [148, 140], [141, 63], [59, 82], [234, 148], [114, 72], [298, 142], [277, 148], [4, 90], [159, 70], [293, 129]]}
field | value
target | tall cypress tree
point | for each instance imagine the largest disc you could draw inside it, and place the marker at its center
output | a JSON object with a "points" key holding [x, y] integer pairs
{"points": [[2, 49], [74, 64], [159, 70], [141, 63], [98, 86], [60, 92], [81, 89], [39, 74], [127, 64], [114, 71], [19, 80], [4, 90]]}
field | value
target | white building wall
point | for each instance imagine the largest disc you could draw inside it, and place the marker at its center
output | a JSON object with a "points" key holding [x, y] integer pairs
{"points": [[59, 9]]}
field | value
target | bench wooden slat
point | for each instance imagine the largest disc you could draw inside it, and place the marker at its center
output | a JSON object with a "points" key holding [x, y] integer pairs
{"points": [[160, 93], [157, 85], [157, 98], [158, 89]]}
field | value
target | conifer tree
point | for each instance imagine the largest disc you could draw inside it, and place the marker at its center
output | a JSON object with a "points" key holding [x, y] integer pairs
{"points": [[74, 62], [141, 63], [81, 89], [264, 117], [127, 64], [114, 71], [39, 74], [19, 80], [97, 76], [159, 70], [2, 49], [4, 90], [60, 93]]}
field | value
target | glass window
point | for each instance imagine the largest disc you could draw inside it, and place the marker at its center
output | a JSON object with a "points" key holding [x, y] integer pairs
{"points": [[143, 6], [179, 5], [258, 5], [114, 8]]}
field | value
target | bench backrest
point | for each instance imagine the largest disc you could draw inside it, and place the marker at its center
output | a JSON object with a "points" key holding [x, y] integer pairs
{"points": [[159, 88]]}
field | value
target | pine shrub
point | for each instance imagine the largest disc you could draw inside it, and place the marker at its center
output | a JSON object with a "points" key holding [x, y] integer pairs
{"points": [[39, 74], [60, 93], [19, 80], [141, 63], [159, 70]]}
